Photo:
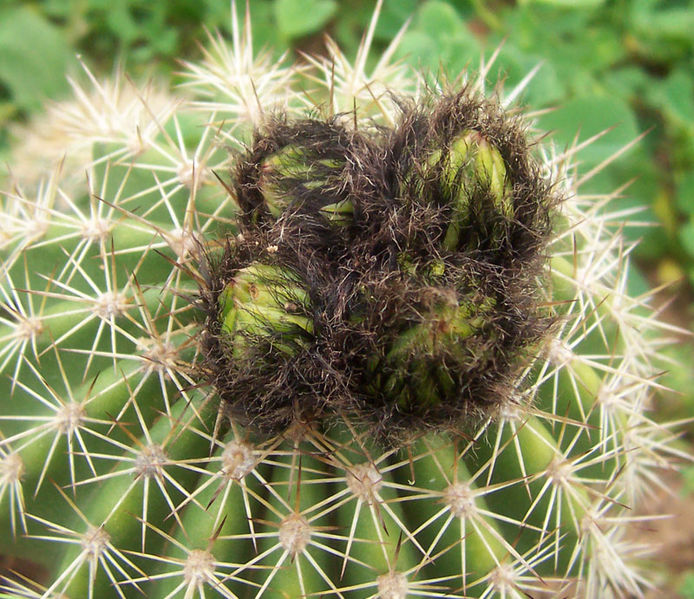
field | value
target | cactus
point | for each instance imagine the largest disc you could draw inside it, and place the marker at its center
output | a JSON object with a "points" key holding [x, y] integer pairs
{"points": [[183, 416]]}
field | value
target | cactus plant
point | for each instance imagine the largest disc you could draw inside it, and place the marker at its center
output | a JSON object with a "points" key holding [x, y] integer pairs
{"points": [[190, 409]]}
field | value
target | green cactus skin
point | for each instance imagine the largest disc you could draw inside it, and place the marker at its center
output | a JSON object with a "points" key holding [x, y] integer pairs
{"points": [[121, 475]]}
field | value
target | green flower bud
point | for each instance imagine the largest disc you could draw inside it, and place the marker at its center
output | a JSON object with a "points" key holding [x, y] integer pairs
{"points": [[291, 166], [472, 167], [339, 213], [431, 271], [287, 162], [268, 302], [415, 371]]}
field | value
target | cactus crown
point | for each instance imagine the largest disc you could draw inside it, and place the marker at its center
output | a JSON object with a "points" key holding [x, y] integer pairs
{"points": [[387, 272]]}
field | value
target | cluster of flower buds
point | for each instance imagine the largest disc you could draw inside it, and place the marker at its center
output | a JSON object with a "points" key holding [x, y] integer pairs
{"points": [[390, 273]]}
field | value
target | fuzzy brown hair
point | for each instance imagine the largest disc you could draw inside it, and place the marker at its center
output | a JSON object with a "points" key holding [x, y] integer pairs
{"points": [[384, 274]]}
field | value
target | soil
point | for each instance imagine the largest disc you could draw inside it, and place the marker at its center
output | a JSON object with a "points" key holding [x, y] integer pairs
{"points": [[672, 538]]}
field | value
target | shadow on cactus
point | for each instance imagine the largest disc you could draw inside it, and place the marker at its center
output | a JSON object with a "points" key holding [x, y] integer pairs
{"points": [[419, 372]]}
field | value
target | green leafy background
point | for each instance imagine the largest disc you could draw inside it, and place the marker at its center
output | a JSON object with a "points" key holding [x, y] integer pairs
{"points": [[626, 64]]}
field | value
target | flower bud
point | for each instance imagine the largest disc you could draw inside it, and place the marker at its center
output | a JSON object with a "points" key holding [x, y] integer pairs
{"points": [[292, 171], [416, 370], [264, 302], [405, 265], [286, 162], [474, 166], [339, 213]]}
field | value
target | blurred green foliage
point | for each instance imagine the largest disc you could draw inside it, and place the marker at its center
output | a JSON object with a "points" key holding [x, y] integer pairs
{"points": [[604, 63]]}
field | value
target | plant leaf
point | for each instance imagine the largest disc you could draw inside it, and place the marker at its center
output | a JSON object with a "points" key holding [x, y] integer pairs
{"points": [[296, 18], [34, 57]]}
